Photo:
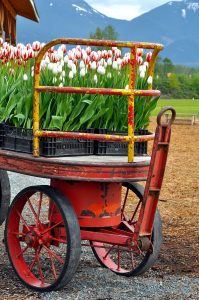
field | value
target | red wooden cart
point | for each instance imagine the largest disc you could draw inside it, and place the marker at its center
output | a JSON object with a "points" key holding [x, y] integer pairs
{"points": [[90, 198]]}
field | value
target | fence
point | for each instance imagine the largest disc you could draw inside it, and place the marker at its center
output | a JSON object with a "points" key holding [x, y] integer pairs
{"points": [[190, 119]]}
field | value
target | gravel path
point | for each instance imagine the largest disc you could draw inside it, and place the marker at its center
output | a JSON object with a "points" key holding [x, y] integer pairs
{"points": [[91, 282]]}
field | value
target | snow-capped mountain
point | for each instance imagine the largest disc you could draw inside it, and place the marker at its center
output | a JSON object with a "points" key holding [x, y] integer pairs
{"points": [[175, 24], [61, 18]]}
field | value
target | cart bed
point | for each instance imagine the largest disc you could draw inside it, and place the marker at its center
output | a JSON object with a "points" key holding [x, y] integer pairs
{"points": [[88, 168]]}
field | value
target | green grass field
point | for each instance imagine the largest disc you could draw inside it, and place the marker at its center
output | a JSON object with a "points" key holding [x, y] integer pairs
{"points": [[184, 108]]}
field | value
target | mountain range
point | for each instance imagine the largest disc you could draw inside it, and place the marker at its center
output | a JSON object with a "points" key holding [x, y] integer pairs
{"points": [[174, 24]]}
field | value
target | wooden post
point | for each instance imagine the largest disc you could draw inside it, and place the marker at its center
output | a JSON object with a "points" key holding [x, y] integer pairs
{"points": [[193, 119], [1, 18]]}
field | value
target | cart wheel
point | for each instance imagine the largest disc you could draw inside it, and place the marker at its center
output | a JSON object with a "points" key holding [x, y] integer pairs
{"points": [[42, 238], [122, 260], [4, 195]]}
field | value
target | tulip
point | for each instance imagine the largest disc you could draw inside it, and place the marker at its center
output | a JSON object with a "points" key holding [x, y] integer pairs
{"points": [[74, 69], [94, 56], [43, 64], [86, 58], [142, 74], [25, 77], [70, 75], [66, 59], [82, 72], [109, 61], [63, 48], [140, 52], [114, 49], [104, 54], [101, 70], [60, 54], [36, 46], [109, 53], [142, 68], [99, 53], [115, 65], [148, 56], [93, 65], [139, 60], [54, 70], [54, 57], [30, 53], [1, 42], [150, 80], [78, 54], [109, 75], [88, 50], [59, 68], [70, 55], [50, 66], [51, 50], [54, 79], [81, 64], [95, 78]]}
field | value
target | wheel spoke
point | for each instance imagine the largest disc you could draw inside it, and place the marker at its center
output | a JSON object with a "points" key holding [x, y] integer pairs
{"points": [[23, 221], [54, 254], [124, 204], [32, 209], [35, 258], [59, 240], [51, 214], [107, 253], [135, 211], [53, 266], [50, 228], [20, 234], [22, 252], [40, 269], [39, 208]]}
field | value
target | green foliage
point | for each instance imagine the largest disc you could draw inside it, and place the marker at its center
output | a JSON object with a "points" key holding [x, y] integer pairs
{"points": [[108, 33], [176, 81]]}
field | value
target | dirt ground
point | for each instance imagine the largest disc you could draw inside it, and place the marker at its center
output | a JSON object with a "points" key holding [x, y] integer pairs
{"points": [[179, 203]]}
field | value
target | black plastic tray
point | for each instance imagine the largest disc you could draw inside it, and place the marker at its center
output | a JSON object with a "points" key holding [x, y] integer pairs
{"points": [[119, 148], [21, 140]]}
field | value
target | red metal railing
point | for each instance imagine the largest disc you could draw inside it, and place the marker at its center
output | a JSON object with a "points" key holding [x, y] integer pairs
{"points": [[131, 93]]}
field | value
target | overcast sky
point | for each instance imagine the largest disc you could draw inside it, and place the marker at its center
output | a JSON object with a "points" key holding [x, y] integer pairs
{"points": [[125, 9]]}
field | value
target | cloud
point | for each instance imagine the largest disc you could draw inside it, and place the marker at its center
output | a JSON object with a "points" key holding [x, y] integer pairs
{"points": [[119, 11], [125, 9]]}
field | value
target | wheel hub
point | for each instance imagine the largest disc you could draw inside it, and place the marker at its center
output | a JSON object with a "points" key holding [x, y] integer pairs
{"points": [[35, 238]]}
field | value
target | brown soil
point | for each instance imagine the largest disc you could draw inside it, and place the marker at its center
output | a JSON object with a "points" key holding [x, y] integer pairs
{"points": [[179, 203]]}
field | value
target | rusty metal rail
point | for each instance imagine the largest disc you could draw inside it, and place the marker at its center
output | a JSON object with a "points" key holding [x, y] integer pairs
{"points": [[131, 93]]}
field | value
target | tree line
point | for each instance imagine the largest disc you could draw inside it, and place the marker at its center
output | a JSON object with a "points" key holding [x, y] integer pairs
{"points": [[174, 81]]}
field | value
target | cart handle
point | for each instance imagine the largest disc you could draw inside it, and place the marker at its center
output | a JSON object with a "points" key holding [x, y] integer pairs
{"points": [[161, 113]]}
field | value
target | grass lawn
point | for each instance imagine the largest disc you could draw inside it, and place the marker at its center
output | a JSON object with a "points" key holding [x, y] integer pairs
{"points": [[183, 107]]}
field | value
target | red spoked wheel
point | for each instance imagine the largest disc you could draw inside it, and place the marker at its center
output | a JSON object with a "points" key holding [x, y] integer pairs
{"points": [[126, 260], [42, 238]]}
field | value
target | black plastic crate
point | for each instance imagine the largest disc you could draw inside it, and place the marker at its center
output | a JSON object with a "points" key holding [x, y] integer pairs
{"points": [[66, 147], [21, 140], [16, 139], [119, 148]]}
